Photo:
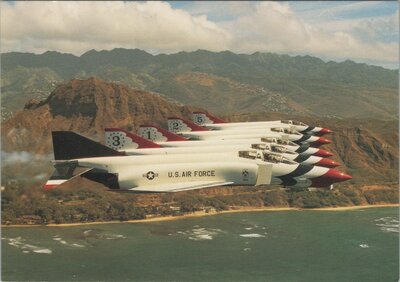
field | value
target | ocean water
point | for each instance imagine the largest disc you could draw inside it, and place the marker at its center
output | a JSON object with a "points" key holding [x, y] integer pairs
{"points": [[356, 245]]}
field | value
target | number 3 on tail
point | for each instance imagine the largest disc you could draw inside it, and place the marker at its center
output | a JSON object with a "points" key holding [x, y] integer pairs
{"points": [[116, 140]]}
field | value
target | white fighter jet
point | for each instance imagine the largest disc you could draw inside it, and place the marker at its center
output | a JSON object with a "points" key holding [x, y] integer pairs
{"points": [[212, 122], [76, 155], [119, 139], [193, 131], [132, 144]]}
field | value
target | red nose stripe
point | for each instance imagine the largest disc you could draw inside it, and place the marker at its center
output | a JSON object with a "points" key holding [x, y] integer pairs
{"points": [[323, 153], [323, 131], [327, 163], [321, 141], [332, 176]]}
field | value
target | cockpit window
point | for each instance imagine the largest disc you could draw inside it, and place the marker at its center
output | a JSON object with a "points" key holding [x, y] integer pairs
{"points": [[248, 154], [286, 121], [277, 129], [294, 122], [285, 130], [261, 146], [268, 140], [276, 158]]}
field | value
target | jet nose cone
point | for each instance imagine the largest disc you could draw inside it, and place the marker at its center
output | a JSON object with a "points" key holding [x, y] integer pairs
{"points": [[321, 141], [323, 153], [336, 176], [327, 163], [330, 177], [323, 131]]}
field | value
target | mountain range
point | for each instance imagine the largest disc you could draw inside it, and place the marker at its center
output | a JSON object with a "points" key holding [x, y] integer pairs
{"points": [[260, 82]]}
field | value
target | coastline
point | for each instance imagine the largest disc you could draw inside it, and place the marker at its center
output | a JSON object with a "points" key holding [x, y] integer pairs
{"points": [[203, 213]]}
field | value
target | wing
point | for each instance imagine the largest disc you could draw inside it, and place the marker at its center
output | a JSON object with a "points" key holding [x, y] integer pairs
{"points": [[177, 187]]}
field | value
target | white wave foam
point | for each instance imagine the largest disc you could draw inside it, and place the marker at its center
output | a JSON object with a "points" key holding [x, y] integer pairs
{"points": [[43, 251], [200, 233], [59, 239], [78, 245], [112, 236], [364, 246], [388, 224], [248, 228], [19, 243], [253, 235]]}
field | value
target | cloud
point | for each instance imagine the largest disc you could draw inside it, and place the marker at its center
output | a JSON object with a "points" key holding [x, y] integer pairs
{"points": [[244, 27], [79, 26], [275, 27]]}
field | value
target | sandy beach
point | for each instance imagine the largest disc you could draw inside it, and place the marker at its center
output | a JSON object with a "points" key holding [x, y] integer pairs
{"points": [[203, 213]]}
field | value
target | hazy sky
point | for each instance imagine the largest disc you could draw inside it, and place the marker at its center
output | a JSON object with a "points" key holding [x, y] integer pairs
{"points": [[360, 31]]}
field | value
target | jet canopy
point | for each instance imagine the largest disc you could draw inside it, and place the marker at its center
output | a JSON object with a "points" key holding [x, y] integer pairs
{"points": [[293, 122], [272, 147], [285, 130], [265, 156], [277, 141]]}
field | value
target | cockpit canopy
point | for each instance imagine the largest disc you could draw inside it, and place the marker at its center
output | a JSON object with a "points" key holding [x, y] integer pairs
{"points": [[272, 148], [277, 141], [285, 130], [265, 156], [293, 122]]}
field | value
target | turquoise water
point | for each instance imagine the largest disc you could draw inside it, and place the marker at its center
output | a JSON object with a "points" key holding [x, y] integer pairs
{"points": [[358, 245]]}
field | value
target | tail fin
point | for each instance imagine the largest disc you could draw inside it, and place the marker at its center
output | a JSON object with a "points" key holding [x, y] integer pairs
{"points": [[69, 145], [177, 125], [201, 118], [157, 134], [119, 139]]}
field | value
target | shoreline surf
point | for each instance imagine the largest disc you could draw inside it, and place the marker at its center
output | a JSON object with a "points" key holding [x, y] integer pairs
{"points": [[203, 213]]}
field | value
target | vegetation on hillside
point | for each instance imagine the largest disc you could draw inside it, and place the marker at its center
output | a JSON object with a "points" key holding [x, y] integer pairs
{"points": [[283, 83]]}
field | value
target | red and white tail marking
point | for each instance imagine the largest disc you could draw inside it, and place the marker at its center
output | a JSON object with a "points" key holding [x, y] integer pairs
{"points": [[201, 118], [157, 134], [119, 139], [177, 125], [53, 183]]}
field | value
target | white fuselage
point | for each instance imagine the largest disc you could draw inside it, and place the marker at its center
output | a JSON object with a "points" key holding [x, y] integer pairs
{"points": [[134, 171], [233, 149], [242, 134], [213, 143]]}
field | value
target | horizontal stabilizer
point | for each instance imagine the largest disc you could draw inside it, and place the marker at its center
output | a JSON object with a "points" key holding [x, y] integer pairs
{"points": [[177, 187], [63, 173], [68, 145]]}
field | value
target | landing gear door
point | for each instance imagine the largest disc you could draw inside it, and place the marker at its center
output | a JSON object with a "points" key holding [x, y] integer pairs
{"points": [[264, 174], [285, 138]]}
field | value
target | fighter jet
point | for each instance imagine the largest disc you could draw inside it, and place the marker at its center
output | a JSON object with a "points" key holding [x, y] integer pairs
{"points": [[76, 155], [209, 121], [193, 131], [116, 137], [119, 139]]}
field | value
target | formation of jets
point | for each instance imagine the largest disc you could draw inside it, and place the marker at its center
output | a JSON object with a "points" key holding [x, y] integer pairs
{"points": [[207, 152]]}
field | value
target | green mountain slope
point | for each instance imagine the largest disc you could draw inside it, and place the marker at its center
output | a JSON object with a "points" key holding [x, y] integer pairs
{"points": [[243, 83]]}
